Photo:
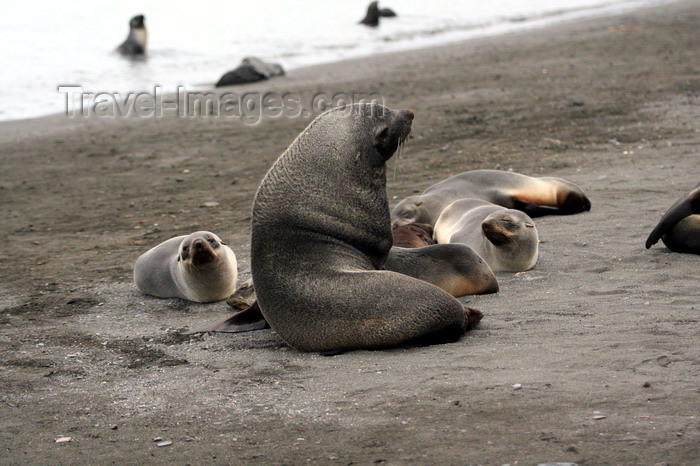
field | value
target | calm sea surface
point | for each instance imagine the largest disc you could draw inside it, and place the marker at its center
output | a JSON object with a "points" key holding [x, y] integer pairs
{"points": [[44, 44]]}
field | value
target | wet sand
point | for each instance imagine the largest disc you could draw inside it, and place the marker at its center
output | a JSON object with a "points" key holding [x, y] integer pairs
{"points": [[602, 334]]}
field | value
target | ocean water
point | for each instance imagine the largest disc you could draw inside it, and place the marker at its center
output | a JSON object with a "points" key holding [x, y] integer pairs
{"points": [[47, 44]]}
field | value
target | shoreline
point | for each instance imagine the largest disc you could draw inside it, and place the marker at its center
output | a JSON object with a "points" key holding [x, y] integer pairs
{"points": [[601, 335], [507, 27]]}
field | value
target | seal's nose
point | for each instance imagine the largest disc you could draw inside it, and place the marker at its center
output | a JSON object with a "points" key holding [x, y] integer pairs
{"points": [[198, 244], [409, 114]]}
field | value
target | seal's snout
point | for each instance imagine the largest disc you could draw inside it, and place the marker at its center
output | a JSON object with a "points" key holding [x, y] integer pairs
{"points": [[495, 231], [198, 244], [409, 114]]}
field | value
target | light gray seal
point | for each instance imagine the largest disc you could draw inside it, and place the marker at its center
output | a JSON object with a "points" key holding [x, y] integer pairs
{"points": [[505, 238], [679, 228], [321, 234], [536, 196], [135, 43], [198, 267]]}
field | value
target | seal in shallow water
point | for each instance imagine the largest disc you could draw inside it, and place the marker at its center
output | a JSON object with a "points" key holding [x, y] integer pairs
{"points": [[505, 238], [135, 43], [536, 196], [198, 267], [679, 228], [321, 234]]}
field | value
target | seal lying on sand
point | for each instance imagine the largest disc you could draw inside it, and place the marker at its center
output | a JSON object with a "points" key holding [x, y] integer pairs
{"points": [[679, 228], [321, 235], [536, 196], [505, 238], [198, 267], [250, 70], [455, 268], [135, 43]]}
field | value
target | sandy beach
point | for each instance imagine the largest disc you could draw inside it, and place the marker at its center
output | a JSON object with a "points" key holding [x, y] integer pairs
{"points": [[602, 335]]}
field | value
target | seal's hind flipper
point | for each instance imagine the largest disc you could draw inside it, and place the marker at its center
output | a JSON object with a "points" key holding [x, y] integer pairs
{"points": [[536, 210], [241, 321]]}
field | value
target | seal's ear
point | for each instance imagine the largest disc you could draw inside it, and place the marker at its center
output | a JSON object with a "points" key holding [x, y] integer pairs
{"points": [[419, 203], [178, 257], [222, 242], [382, 135], [184, 254]]}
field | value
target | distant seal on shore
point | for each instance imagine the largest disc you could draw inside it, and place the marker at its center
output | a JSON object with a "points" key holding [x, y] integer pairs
{"points": [[198, 267], [387, 13], [679, 228], [372, 16], [536, 196], [505, 238], [250, 70], [321, 235], [135, 43]]}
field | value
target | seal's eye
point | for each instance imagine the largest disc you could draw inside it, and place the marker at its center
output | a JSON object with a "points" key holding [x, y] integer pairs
{"points": [[185, 248]]}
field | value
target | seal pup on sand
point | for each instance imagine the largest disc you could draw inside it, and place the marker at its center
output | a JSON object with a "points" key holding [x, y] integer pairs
{"points": [[321, 235], [536, 196], [679, 228], [505, 238], [135, 43], [198, 267], [455, 268]]}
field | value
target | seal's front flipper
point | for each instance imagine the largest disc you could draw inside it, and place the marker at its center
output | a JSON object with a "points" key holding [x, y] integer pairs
{"points": [[536, 210], [680, 210], [474, 316], [241, 321]]}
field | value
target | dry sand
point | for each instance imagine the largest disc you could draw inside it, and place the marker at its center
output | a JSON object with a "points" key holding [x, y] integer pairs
{"points": [[602, 334]]}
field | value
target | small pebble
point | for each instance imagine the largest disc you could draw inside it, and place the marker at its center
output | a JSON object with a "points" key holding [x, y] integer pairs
{"points": [[599, 417], [210, 204], [64, 439], [158, 439], [166, 443], [114, 427], [517, 386]]}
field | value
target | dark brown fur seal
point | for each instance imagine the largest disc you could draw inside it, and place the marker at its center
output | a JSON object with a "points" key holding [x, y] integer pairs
{"points": [[198, 267], [321, 234], [679, 228]]}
